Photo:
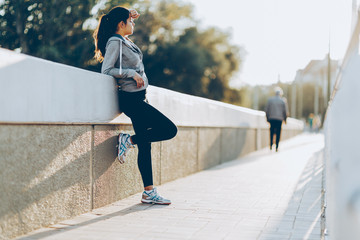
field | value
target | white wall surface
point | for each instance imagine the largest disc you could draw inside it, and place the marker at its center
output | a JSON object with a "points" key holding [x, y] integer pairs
{"points": [[34, 90], [342, 130]]}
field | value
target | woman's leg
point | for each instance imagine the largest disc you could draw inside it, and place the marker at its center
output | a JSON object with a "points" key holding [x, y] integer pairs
{"points": [[144, 153], [145, 164], [150, 125], [129, 104], [158, 126]]}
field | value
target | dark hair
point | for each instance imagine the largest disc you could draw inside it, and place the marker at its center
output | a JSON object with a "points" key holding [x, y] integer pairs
{"points": [[106, 28]]}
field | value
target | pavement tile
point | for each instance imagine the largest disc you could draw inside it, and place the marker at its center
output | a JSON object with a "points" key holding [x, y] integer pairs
{"points": [[243, 235], [274, 236]]}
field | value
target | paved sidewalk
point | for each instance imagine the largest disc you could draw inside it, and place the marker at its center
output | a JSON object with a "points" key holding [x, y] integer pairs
{"points": [[262, 196]]}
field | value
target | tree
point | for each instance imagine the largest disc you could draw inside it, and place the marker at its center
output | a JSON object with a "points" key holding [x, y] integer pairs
{"points": [[49, 29], [158, 23], [199, 63], [181, 58]]}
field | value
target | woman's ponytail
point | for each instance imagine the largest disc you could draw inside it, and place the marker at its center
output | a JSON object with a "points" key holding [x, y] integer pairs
{"points": [[99, 36], [106, 28]]}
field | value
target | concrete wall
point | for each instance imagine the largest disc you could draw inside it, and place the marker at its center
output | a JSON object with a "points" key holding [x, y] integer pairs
{"points": [[342, 154], [58, 154]]}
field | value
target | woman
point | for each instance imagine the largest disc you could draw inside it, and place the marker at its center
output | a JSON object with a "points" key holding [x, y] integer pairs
{"points": [[122, 59]]}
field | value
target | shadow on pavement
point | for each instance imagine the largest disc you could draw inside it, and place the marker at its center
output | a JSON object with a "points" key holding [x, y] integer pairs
{"points": [[97, 217], [302, 218]]}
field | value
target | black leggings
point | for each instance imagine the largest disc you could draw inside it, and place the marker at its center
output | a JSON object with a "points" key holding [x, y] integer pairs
{"points": [[275, 128], [149, 124]]}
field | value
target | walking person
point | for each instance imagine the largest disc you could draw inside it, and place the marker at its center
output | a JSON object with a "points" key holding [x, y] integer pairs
{"points": [[276, 112], [123, 60]]}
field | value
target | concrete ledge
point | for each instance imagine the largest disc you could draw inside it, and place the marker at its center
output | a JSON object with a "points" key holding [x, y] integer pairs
{"points": [[57, 93]]}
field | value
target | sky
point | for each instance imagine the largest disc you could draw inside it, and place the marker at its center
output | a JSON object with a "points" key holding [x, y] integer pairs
{"points": [[279, 36]]}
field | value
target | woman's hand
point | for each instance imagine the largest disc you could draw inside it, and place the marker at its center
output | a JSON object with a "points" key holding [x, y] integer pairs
{"points": [[134, 14], [139, 81]]}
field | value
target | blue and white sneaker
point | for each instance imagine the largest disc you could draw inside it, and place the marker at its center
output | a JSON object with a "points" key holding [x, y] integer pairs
{"points": [[153, 197], [123, 146]]}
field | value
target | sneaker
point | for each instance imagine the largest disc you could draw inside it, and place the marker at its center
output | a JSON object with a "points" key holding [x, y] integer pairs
{"points": [[153, 197], [124, 146]]}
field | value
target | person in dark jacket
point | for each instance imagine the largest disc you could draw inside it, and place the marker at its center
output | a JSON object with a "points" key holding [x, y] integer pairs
{"points": [[276, 112]]}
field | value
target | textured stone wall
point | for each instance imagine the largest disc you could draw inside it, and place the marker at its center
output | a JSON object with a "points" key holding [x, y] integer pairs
{"points": [[44, 175], [53, 172]]}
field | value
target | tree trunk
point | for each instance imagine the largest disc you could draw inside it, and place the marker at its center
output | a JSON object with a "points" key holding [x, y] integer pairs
{"points": [[20, 27]]}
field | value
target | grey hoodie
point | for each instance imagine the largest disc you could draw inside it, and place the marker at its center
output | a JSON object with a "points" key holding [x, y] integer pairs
{"points": [[120, 50]]}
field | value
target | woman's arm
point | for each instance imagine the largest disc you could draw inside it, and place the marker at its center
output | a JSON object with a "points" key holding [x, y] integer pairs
{"points": [[112, 54]]}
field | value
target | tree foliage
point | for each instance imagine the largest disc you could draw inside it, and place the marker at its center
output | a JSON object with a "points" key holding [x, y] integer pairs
{"points": [[189, 60], [177, 55], [199, 63], [47, 29]]}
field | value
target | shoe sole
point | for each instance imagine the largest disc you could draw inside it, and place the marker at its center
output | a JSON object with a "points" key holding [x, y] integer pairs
{"points": [[151, 202]]}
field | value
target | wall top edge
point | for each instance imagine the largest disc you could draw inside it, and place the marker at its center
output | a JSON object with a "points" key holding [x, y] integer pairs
{"points": [[299, 127]]}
